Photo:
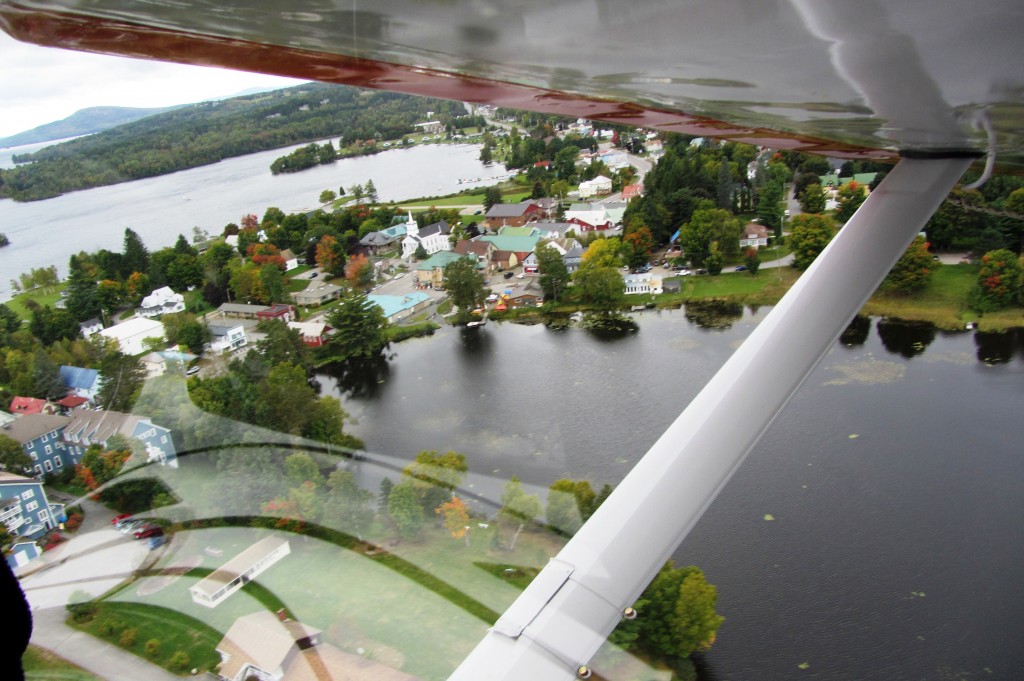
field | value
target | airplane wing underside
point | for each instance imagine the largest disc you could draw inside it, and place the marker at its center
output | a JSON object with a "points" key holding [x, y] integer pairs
{"points": [[853, 80]]}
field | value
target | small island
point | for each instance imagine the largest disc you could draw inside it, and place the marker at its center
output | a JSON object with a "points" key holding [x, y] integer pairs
{"points": [[4, 241]]}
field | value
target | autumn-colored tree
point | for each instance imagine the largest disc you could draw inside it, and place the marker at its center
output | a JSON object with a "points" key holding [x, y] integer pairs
{"points": [[330, 256], [752, 260], [359, 270], [848, 200], [250, 221], [913, 270], [262, 254], [456, 518], [638, 243], [136, 287], [999, 281], [603, 253]]}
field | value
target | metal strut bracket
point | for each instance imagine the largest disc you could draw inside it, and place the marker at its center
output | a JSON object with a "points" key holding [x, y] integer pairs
{"points": [[613, 557]]}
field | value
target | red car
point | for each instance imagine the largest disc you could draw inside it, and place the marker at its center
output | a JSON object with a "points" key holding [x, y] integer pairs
{"points": [[119, 518], [147, 531]]}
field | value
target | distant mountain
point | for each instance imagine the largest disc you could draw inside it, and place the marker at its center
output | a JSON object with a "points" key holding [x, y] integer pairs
{"points": [[82, 122]]}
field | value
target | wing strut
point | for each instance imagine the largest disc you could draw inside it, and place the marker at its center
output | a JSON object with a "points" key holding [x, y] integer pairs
{"points": [[551, 631]]}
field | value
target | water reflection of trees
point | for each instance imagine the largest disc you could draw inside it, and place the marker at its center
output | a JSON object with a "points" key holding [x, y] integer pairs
{"points": [[908, 339], [857, 332], [999, 348], [714, 314], [476, 340], [360, 378]]}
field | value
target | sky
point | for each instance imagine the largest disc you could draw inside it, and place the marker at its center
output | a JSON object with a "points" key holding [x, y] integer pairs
{"points": [[42, 84]]}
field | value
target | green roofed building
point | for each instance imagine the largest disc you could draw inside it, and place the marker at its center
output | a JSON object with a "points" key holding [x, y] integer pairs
{"points": [[522, 246], [430, 272]]}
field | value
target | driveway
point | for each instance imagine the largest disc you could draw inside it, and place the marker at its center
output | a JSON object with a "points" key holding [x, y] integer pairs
{"points": [[94, 561]]}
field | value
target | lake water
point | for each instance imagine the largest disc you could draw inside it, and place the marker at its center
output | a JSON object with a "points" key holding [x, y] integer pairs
{"points": [[44, 233], [893, 476], [894, 479]]}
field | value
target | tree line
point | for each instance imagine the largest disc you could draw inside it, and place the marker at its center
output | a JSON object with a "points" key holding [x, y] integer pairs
{"points": [[209, 132]]}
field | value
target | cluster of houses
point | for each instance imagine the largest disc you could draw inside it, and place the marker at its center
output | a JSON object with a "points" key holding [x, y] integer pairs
{"points": [[55, 437]]}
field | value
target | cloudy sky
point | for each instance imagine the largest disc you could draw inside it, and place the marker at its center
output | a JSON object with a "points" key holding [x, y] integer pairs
{"points": [[40, 85]]}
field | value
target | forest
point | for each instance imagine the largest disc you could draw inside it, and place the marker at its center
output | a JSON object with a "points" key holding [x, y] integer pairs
{"points": [[208, 132]]}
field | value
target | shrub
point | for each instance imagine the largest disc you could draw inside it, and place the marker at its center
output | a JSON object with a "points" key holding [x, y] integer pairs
{"points": [[152, 647], [128, 637], [179, 660], [83, 611]]}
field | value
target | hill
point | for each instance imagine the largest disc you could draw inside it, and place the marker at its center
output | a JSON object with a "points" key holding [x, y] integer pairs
{"points": [[82, 122], [200, 134]]}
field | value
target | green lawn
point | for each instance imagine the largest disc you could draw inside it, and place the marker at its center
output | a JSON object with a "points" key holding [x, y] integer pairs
{"points": [[770, 283], [173, 631], [296, 285], [358, 601], [42, 665], [944, 302], [44, 296]]}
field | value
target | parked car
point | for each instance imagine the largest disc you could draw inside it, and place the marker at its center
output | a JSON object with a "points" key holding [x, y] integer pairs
{"points": [[313, 275], [192, 371], [147, 531], [158, 541], [509, 275], [129, 526], [741, 268], [120, 518]]}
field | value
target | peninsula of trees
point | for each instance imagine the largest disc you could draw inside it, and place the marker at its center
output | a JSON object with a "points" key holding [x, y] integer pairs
{"points": [[205, 133]]}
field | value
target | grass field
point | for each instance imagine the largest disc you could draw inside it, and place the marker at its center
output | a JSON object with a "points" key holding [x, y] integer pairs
{"points": [[172, 630], [44, 296], [943, 302]]}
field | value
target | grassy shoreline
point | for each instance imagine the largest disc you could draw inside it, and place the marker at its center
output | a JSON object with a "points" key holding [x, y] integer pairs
{"points": [[942, 303]]}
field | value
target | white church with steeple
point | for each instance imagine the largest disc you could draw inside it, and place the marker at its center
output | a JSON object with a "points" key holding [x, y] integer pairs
{"points": [[433, 238]]}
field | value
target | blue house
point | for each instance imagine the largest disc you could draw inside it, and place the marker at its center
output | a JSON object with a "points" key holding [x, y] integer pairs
{"points": [[87, 427], [24, 508], [40, 435], [81, 382], [55, 442]]}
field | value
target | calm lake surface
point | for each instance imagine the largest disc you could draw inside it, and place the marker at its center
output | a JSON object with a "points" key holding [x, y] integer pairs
{"points": [[894, 478], [45, 233]]}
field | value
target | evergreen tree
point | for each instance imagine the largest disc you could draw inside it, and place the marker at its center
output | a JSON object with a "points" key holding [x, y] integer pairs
{"points": [[135, 257], [82, 300], [359, 328]]}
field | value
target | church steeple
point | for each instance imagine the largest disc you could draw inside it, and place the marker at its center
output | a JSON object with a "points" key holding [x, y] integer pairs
{"points": [[411, 228]]}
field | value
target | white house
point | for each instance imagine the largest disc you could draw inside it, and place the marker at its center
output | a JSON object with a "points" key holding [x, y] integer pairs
{"points": [[90, 326], [598, 186], [637, 284], [162, 301], [227, 337], [130, 334], [754, 235]]}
